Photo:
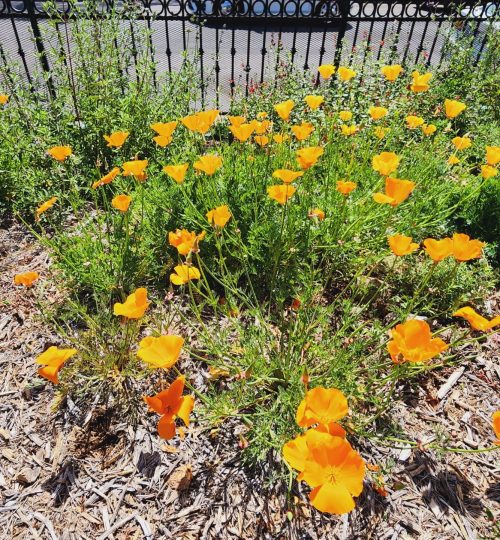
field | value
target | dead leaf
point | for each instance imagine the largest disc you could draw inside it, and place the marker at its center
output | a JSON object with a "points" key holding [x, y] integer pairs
{"points": [[181, 478]]}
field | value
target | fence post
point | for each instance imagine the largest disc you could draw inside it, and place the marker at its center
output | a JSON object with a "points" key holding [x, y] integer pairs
{"points": [[344, 7], [39, 46]]}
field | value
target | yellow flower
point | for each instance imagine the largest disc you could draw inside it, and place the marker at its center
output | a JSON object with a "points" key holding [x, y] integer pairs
{"points": [[349, 130], [414, 121], [160, 352], [242, 132], [219, 216], [385, 163], [487, 171], [4, 99], [261, 127], [26, 279], [121, 202], [420, 82], [185, 241], [396, 191], [392, 72], [184, 273], [303, 131], [380, 132], [136, 168], [286, 175], [401, 245], [326, 70], [209, 164], [279, 138], [307, 157], [281, 193], [345, 186], [461, 143], [345, 74], [200, 122], [44, 207], [377, 112], [453, 160], [176, 172], [345, 116], [314, 102], [165, 131], [261, 140], [236, 121], [134, 306], [453, 108], [116, 139], [107, 178], [60, 153], [317, 213], [492, 155], [428, 129], [262, 115], [52, 361], [284, 109]]}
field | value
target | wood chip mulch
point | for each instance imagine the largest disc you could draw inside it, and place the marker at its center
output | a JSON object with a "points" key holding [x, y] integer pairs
{"points": [[100, 481]]}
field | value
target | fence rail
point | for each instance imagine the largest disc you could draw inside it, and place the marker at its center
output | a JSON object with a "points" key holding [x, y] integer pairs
{"points": [[233, 38]]}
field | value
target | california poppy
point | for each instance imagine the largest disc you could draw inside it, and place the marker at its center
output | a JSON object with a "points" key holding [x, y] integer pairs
{"points": [[281, 193], [385, 163], [242, 132], [185, 241], [321, 406], [236, 121], [52, 361], [345, 186], [453, 108], [183, 274], [107, 178], [345, 74], [326, 70], [136, 168], [377, 113], [165, 132], [465, 249], [209, 164], [60, 153], [414, 121], [349, 130], [345, 116], [200, 122], [261, 127], [171, 404], [477, 322], [176, 172], [219, 216], [313, 102], [496, 425], [412, 342], [116, 139], [380, 132], [284, 109], [317, 213], [4, 99], [396, 191], [280, 138], [134, 306], [44, 207], [438, 250], [287, 176], [453, 160], [492, 155], [487, 171], [26, 278], [392, 72], [303, 131], [307, 157], [121, 202], [428, 129], [160, 352], [261, 140], [420, 82], [401, 245], [461, 143]]}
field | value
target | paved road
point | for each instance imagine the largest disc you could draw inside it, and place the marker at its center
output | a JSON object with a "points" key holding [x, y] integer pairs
{"points": [[249, 42]]}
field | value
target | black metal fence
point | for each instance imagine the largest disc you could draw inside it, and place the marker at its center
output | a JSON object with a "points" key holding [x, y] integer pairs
{"points": [[238, 42]]}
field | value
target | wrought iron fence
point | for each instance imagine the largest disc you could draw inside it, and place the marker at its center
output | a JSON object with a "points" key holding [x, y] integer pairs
{"points": [[233, 39]]}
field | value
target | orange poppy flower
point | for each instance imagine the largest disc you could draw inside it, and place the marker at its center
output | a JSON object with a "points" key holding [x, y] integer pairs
{"points": [[44, 207], [414, 121], [116, 139], [209, 164], [242, 132], [201, 122], [345, 74], [346, 186], [165, 132], [412, 342], [396, 191], [453, 160], [280, 138], [284, 109], [453, 107], [286, 175], [308, 157], [349, 130], [60, 153], [401, 245], [261, 127], [26, 278], [136, 168], [345, 116], [236, 121], [420, 82], [176, 172], [171, 404], [496, 425], [326, 70], [134, 306], [303, 131], [184, 273], [380, 132], [321, 406], [461, 143], [185, 241], [438, 250], [52, 361], [428, 129], [262, 115], [313, 102], [107, 178], [477, 321], [317, 213], [261, 140], [121, 202], [487, 171], [392, 72], [492, 155], [4, 99], [281, 193], [377, 112], [219, 216], [385, 163], [160, 352], [465, 249]]}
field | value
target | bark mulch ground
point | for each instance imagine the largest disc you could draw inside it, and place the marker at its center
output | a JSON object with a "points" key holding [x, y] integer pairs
{"points": [[100, 480]]}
